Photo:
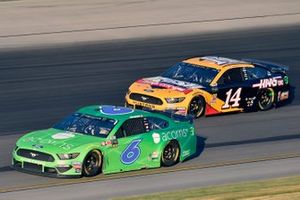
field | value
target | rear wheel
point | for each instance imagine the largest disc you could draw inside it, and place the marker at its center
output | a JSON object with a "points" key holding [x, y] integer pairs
{"points": [[266, 99], [196, 107], [170, 154], [92, 163]]}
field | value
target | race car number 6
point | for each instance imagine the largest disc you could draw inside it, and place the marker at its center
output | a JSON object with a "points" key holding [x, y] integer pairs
{"points": [[131, 153]]}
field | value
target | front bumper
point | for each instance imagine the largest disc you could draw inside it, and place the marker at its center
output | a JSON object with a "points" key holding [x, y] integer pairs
{"points": [[176, 108], [57, 169], [40, 173]]}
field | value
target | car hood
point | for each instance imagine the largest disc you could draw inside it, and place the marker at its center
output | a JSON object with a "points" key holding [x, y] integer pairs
{"points": [[54, 140], [160, 82]]}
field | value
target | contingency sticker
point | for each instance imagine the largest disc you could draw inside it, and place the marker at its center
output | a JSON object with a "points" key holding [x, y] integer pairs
{"points": [[156, 138]]}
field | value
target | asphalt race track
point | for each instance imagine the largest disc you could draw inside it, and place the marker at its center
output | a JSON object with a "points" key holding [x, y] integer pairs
{"points": [[40, 86]]}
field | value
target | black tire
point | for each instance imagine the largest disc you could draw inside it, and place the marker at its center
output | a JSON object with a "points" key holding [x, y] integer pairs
{"points": [[197, 107], [266, 99], [170, 154], [92, 164]]}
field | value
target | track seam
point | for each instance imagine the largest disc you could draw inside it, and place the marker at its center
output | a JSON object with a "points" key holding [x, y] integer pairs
{"points": [[149, 25], [150, 172]]}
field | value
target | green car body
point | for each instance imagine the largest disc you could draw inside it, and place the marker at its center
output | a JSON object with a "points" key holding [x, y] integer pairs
{"points": [[57, 152]]}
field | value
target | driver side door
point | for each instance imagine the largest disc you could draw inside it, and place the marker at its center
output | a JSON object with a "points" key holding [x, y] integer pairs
{"points": [[231, 90], [132, 149]]}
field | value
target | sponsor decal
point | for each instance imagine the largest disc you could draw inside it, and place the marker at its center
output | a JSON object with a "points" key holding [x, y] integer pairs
{"points": [[106, 143], [283, 95], [174, 134], [245, 73], [156, 138], [221, 60], [186, 153], [62, 136], [180, 111], [154, 155], [286, 79], [269, 82], [42, 141], [148, 90], [135, 116], [172, 84], [114, 110], [192, 130], [250, 101], [77, 166], [38, 146], [213, 99], [112, 142], [147, 105]]}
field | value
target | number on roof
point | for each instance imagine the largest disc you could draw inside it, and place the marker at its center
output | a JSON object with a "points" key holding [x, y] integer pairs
{"points": [[220, 60], [114, 110]]}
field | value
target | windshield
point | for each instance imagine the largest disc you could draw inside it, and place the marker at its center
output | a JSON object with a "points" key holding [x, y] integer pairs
{"points": [[88, 125], [191, 73]]}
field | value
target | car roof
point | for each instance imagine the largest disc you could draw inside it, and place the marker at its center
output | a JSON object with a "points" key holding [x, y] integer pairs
{"points": [[216, 62], [115, 112]]}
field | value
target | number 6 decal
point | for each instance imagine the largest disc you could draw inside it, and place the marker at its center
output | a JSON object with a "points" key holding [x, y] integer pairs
{"points": [[131, 153], [235, 98]]}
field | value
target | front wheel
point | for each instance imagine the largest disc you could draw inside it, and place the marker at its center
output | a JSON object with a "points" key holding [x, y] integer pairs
{"points": [[196, 107], [266, 99], [92, 163], [170, 154]]}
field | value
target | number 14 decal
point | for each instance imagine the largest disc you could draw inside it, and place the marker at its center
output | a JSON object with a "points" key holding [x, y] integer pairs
{"points": [[232, 99]]}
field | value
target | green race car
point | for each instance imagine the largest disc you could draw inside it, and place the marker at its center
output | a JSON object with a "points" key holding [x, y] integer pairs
{"points": [[105, 139]]}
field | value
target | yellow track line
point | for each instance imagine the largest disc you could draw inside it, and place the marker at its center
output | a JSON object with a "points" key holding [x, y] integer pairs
{"points": [[61, 182]]}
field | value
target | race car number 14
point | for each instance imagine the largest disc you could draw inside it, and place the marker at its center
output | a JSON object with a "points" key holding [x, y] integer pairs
{"points": [[232, 99]]}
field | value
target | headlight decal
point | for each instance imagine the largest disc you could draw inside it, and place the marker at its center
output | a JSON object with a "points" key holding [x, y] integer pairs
{"points": [[174, 100], [67, 156]]}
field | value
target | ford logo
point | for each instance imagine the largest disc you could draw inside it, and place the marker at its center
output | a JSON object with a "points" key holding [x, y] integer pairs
{"points": [[33, 155], [144, 98]]}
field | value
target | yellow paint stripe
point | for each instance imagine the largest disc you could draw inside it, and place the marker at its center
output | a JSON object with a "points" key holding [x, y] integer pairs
{"points": [[61, 182]]}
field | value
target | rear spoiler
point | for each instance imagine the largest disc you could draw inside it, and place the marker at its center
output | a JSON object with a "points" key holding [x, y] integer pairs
{"points": [[171, 114], [273, 67]]}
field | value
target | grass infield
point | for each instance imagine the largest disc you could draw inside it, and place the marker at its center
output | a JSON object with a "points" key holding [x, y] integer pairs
{"points": [[275, 189]]}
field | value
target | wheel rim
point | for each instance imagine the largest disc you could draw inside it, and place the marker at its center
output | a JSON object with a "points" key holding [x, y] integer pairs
{"points": [[91, 164], [196, 107], [266, 99], [170, 154]]}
